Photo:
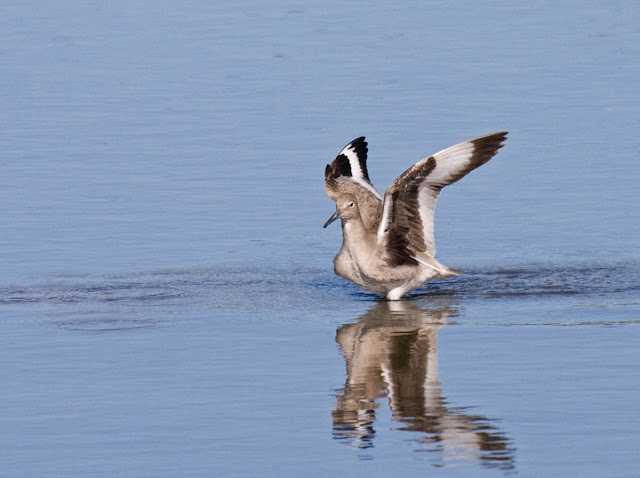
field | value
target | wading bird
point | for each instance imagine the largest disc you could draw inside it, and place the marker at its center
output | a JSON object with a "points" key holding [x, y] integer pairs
{"points": [[388, 245]]}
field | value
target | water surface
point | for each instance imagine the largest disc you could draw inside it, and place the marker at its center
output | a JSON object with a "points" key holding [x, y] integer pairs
{"points": [[167, 300]]}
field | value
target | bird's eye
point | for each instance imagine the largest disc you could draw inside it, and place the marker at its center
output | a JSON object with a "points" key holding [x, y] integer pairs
{"points": [[351, 205]]}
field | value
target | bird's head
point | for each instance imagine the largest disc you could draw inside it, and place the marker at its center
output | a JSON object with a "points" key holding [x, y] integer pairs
{"points": [[346, 209]]}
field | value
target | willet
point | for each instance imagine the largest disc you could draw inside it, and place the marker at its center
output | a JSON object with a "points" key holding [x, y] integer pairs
{"points": [[388, 245]]}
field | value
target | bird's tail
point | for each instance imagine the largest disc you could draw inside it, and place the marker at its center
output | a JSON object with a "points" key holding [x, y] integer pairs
{"points": [[442, 271]]}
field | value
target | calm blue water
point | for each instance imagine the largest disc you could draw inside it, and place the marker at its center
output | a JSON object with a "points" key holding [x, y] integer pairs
{"points": [[167, 300]]}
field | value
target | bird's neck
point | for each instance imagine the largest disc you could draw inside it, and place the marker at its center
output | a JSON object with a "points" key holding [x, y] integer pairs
{"points": [[355, 236]]}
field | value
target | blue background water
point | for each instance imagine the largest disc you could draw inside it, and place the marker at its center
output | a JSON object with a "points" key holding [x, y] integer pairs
{"points": [[167, 300]]}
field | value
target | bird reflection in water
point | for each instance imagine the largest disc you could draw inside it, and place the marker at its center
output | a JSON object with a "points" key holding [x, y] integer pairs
{"points": [[392, 352]]}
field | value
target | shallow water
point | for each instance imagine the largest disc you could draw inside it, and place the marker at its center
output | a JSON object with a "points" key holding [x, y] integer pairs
{"points": [[238, 369], [167, 300]]}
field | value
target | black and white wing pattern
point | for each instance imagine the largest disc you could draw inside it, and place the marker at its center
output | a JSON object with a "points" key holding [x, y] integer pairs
{"points": [[348, 174], [406, 228]]}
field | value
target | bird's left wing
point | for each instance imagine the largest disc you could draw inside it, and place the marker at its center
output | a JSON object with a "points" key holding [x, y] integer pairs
{"points": [[348, 174]]}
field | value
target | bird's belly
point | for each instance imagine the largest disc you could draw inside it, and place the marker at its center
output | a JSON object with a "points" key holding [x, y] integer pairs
{"points": [[372, 273], [345, 266]]}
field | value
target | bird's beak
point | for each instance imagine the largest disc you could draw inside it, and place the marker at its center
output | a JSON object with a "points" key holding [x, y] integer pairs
{"points": [[335, 216]]}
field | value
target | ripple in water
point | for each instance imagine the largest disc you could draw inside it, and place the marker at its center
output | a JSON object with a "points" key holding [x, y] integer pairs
{"points": [[113, 301]]}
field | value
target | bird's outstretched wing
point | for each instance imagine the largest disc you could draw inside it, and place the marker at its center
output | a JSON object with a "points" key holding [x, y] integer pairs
{"points": [[348, 174], [406, 227]]}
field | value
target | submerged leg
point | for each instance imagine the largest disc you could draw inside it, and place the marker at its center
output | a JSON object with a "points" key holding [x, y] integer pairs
{"points": [[397, 293]]}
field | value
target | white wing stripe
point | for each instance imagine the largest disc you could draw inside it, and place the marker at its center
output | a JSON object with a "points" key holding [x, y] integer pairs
{"points": [[384, 223], [356, 170], [450, 161], [427, 198], [357, 174]]}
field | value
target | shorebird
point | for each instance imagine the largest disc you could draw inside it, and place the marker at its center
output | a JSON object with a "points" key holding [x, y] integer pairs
{"points": [[388, 244]]}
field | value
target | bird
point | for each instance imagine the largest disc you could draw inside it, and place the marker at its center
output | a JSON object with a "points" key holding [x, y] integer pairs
{"points": [[388, 245]]}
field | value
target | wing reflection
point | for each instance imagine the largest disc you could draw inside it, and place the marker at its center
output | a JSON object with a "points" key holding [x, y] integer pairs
{"points": [[392, 352]]}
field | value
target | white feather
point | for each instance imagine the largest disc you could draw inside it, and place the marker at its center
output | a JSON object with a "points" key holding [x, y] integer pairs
{"points": [[357, 174], [450, 162]]}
